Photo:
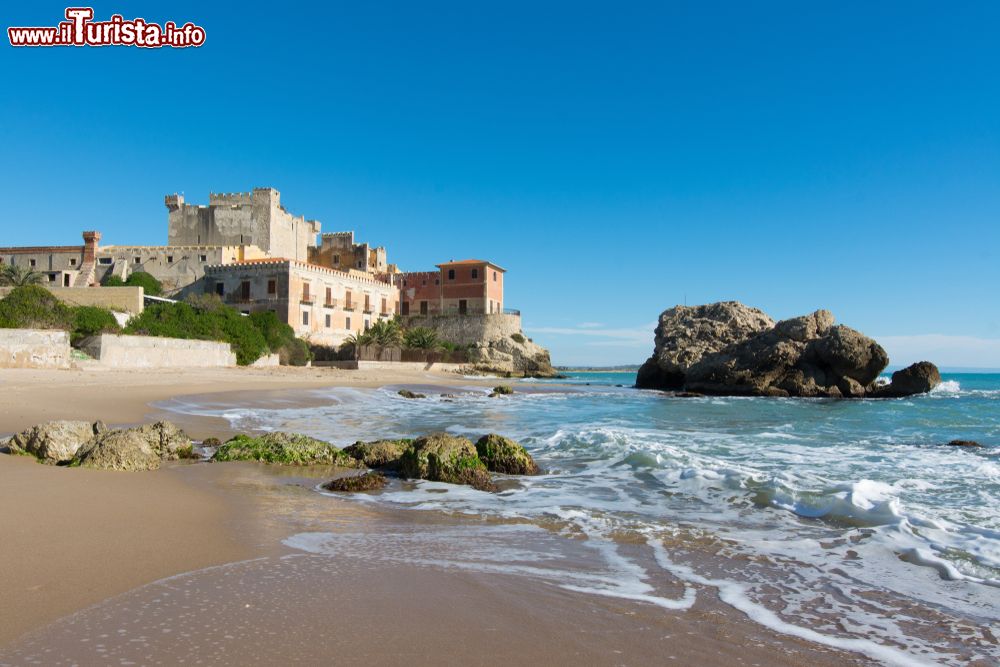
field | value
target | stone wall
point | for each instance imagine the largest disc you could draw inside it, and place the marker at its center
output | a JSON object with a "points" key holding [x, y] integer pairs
{"points": [[469, 329], [127, 299], [34, 348], [151, 352]]}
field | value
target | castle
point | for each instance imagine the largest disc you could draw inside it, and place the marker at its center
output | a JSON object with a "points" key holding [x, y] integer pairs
{"points": [[255, 255]]}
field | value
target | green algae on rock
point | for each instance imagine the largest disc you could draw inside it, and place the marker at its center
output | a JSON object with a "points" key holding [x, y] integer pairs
{"points": [[442, 457], [503, 455], [378, 453], [283, 448]]}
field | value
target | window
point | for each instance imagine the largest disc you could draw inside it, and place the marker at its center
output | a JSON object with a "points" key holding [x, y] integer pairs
{"points": [[385, 306], [368, 323], [72, 262], [305, 318], [451, 274], [52, 277], [170, 259], [406, 307], [329, 299], [245, 290], [327, 321], [102, 260], [202, 258], [368, 303], [336, 259], [136, 260], [475, 273], [348, 325], [305, 291], [31, 262], [66, 280], [463, 306], [347, 301], [220, 289], [272, 287], [423, 307], [494, 276], [437, 281]]}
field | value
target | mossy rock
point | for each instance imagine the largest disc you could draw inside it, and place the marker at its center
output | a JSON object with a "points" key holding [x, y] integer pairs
{"points": [[503, 455], [442, 457], [379, 453], [406, 393], [502, 390], [120, 449], [187, 453], [370, 481], [211, 442], [292, 449]]}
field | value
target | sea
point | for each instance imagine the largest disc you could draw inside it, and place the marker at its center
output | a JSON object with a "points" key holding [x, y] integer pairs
{"points": [[850, 523]]}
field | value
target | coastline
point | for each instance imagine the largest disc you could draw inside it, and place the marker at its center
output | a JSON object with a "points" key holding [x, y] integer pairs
{"points": [[140, 535]]}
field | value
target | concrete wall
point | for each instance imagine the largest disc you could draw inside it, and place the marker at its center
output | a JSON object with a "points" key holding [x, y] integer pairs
{"points": [[34, 348], [468, 329], [128, 299], [152, 352]]}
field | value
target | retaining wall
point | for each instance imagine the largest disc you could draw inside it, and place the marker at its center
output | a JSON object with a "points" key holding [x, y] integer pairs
{"points": [[34, 348], [152, 352], [468, 329]]}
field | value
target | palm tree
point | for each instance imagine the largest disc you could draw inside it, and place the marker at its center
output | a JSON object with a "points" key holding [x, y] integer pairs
{"points": [[420, 338], [385, 333], [14, 276]]}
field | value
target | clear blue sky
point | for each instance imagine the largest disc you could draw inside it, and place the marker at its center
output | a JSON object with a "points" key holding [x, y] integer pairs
{"points": [[616, 160]]}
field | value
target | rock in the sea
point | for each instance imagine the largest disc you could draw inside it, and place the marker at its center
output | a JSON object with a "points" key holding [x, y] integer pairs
{"points": [[406, 393], [370, 481], [211, 442], [511, 356], [442, 457], [503, 455], [502, 390], [379, 453], [284, 449], [55, 441], [685, 334], [917, 378], [729, 349], [963, 443], [120, 449]]}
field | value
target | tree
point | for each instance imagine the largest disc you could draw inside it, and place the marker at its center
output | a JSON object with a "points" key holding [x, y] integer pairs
{"points": [[15, 276]]}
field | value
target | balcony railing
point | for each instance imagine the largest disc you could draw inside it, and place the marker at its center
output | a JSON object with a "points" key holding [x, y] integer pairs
{"points": [[332, 303], [511, 311]]}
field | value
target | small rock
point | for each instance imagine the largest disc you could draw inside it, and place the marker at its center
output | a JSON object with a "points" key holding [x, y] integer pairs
{"points": [[370, 481], [964, 443], [406, 393]]}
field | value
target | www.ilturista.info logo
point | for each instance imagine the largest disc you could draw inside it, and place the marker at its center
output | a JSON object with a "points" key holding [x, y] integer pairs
{"points": [[81, 30]]}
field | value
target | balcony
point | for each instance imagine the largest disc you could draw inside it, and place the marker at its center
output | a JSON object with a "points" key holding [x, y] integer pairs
{"points": [[332, 303], [307, 300], [511, 311], [349, 306]]}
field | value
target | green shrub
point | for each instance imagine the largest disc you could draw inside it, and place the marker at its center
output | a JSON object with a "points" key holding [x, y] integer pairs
{"points": [[517, 337], [112, 281], [146, 281], [91, 320], [213, 321], [280, 338], [34, 307]]}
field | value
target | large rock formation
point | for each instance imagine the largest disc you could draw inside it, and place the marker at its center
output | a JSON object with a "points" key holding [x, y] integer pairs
{"points": [[729, 349], [513, 356], [442, 457], [687, 333], [138, 448]]}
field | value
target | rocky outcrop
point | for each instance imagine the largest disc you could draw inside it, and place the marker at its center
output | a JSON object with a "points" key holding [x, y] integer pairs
{"points": [[120, 449], [54, 442], [442, 457], [685, 334], [284, 449], [406, 393], [511, 356], [379, 453], [167, 440], [503, 455], [729, 349]]}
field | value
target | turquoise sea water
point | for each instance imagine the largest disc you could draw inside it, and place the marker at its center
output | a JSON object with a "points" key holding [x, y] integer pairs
{"points": [[850, 523]]}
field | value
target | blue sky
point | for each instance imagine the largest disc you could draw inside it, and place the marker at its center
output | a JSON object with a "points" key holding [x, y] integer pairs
{"points": [[616, 160]]}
